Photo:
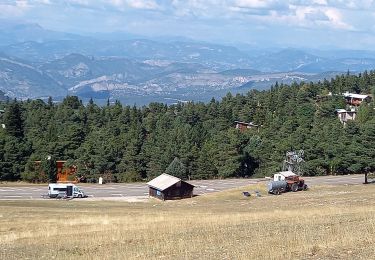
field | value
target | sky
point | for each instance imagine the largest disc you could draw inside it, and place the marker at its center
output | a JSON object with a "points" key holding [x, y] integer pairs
{"points": [[297, 23]]}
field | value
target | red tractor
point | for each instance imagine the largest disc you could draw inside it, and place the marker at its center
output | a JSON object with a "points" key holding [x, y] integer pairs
{"points": [[286, 181]]}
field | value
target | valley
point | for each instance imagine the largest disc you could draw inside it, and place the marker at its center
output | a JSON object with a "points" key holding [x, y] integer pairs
{"points": [[139, 71]]}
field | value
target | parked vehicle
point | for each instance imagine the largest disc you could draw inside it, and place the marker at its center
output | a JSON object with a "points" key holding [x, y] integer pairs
{"points": [[65, 190], [286, 181]]}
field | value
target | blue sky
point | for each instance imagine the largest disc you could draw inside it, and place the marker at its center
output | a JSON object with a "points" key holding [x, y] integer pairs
{"points": [[297, 23]]}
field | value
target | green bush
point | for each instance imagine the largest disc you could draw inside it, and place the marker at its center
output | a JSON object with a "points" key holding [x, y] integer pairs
{"points": [[130, 176], [34, 172], [34, 177]]}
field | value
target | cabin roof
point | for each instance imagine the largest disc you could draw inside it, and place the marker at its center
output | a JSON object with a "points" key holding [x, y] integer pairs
{"points": [[245, 123], [287, 173], [352, 95], [163, 181]]}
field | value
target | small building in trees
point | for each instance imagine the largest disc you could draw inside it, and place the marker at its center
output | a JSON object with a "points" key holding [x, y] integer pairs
{"points": [[63, 174], [243, 126], [346, 115], [355, 99], [168, 187]]}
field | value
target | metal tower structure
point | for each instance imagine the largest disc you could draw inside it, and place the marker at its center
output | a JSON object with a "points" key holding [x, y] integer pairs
{"points": [[293, 162]]}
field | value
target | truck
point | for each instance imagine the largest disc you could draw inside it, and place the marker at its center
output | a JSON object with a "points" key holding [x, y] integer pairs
{"points": [[286, 181], [68, 190]]}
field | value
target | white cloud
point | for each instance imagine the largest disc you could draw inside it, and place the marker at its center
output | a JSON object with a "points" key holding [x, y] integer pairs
{"points": [[197, 8], [80, 2], [296, 13], [46, 2], [336, 19], [253, 3], [311, 16], [141, 4], [320, 2], [137, 4], [18, 8], [350, 4], [245, 19], [22, 3]]}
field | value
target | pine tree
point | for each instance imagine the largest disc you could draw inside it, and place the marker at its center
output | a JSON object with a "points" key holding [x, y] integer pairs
{"points": [[13, 120], [177, 168], [48, 167]]}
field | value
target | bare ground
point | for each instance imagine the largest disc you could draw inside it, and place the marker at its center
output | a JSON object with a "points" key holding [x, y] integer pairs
{"points": [[326, 222]]}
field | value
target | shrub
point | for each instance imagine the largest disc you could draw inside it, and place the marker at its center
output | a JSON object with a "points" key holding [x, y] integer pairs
{"points": [[130, 176]]}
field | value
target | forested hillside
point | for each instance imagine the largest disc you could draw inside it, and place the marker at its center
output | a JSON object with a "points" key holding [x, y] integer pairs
{"points": [[126, 143]]}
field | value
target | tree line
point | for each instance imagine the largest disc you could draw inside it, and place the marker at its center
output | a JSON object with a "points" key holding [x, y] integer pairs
{"points": [[130, 143]]}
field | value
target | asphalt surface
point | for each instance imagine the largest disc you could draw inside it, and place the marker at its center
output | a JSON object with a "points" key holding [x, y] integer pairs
{"points": [[115, 190]]}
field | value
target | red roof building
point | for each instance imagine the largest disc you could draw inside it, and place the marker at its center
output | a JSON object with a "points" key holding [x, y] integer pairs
{"points": [[243, 126], [355, 99]]}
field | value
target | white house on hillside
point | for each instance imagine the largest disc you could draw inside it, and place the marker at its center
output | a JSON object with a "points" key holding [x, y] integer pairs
{"points": [[346, 115]]}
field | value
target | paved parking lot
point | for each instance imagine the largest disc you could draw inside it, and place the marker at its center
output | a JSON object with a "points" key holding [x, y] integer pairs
{"points": [[114, 190]]}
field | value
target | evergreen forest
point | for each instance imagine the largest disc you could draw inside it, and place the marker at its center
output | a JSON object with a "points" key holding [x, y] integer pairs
{"points": [[198, 140]]}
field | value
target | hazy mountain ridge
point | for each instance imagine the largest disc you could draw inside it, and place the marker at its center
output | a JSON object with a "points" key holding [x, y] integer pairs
{"points": [[23, 80], [77, 74], [12, 32], [215, 56], [39, 63]]}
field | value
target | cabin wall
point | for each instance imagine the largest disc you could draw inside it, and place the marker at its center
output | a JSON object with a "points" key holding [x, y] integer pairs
{"points": [[155, 193], [178, 191]]}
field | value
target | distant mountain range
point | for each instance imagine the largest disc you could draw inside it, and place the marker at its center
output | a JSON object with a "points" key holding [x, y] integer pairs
{"points": [[14, 32], [37, 63]]}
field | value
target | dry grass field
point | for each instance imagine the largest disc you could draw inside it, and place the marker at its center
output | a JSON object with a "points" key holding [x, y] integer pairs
{"points": [[322, 223]]}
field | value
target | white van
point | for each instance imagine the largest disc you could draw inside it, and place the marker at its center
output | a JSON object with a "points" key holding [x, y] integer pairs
{"points": [[65, 189]]}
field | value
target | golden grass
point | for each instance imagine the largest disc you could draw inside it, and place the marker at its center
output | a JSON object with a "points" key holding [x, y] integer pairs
{"points": [[323, 223]]}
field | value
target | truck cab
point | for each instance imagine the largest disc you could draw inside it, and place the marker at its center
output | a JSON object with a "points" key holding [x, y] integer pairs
{"points": [[78, 193]]}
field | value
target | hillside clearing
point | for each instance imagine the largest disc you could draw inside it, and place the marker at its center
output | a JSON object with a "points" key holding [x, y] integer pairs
{"points": [[326, 222]]}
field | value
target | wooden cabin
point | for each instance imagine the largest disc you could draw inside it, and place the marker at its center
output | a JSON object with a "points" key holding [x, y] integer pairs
{"points": [[243, 126], [167, 187], [62, 175], [346, 115], [355, 99]]}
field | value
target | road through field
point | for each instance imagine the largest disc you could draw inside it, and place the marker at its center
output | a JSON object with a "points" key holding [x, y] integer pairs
{"points": [[118, 190]]}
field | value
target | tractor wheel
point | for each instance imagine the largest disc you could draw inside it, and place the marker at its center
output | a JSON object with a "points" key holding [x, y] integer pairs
{"points": [[79, 195], [294, 187], [304, 187]]}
